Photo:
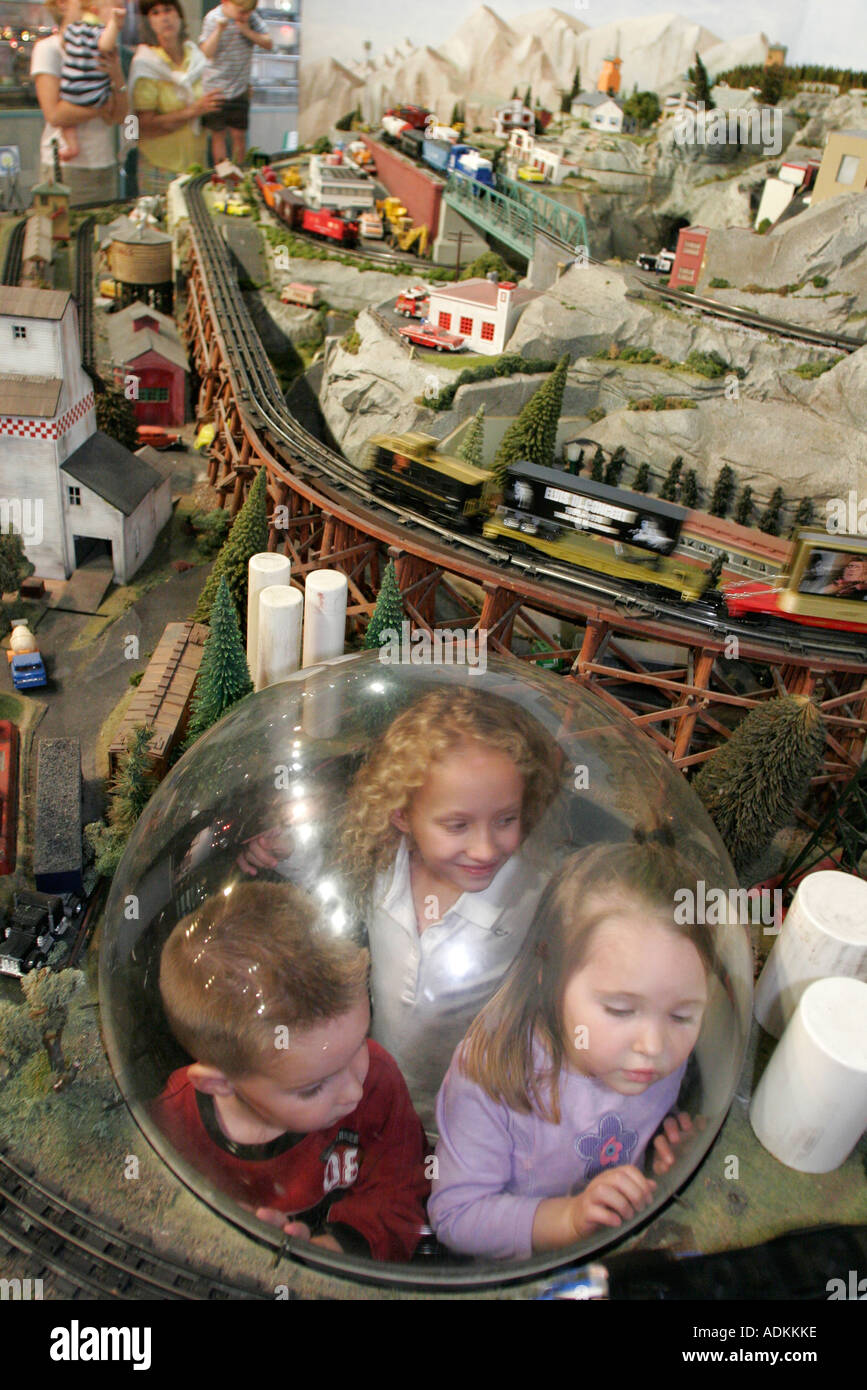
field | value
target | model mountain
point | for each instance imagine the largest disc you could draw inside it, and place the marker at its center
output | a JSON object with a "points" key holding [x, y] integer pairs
{"points": [[486, 57]]}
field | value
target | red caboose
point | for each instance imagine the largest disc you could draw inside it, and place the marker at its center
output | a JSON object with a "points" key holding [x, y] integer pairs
{"points": [[325, 223]]}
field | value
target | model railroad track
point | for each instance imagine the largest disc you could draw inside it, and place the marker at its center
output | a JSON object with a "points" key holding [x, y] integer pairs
{"points": [[84, 292], [14, 253], [85, 1255], [88, 922], [748, 319], [261, 400]]}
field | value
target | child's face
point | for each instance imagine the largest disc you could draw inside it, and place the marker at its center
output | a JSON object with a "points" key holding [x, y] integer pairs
{"points": [[317, 1081], [633, 1012], [465, 820]]}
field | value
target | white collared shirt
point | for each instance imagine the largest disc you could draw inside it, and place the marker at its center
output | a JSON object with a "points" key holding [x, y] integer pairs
{"points": [[428, 988]]}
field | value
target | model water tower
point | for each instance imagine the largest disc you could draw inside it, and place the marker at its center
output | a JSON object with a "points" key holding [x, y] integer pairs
{"points": [[609, 76], [140, 260]]}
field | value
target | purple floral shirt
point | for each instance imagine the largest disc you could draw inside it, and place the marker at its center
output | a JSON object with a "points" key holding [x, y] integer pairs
{"points": [[495, 1166]]}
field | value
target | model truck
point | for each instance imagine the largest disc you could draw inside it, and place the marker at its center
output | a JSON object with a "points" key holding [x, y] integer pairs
{"points": [[660, 264], [27, 666], [38, 921], [413, 303]]}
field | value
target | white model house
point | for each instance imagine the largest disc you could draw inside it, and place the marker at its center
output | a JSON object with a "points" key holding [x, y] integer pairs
{"points": [[338, 186], [481, 311], [67, 487]]}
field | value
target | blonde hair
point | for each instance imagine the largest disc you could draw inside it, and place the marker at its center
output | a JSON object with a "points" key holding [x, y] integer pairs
{"points": [[54, 10], [426, 733], [527, 1010], [246, 6], [242, 964]]}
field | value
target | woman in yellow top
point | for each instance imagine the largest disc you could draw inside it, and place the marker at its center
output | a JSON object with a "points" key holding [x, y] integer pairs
{"points": [[165, 84]]}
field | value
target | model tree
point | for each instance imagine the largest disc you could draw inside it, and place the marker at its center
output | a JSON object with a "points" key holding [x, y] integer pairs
{"points": [[14, 564], [643, 108], [115, 416], [248, 537], [723, 492], [49, 994], [597, 465], [755, 782], [615, 466], [533, 434], [134, 784], [528, 98], [689, 489], [744, 509], [224, 677], [576, 84], [803, 516], [771, 85], [769, 521], [642, 478], [388, 612], [671, 486], [714, 571], [474, 441], [19, 1037], [700, 84]]}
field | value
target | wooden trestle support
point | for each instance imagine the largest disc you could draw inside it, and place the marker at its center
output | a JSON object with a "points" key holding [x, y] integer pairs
{"points": [[686, 709]]}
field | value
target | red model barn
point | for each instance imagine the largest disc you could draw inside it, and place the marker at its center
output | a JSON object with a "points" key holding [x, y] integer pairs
{"points": [[146, 346]]}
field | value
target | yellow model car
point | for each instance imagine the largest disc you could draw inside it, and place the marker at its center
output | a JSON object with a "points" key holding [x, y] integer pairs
{"points": [[233, 204], [531, 175]]}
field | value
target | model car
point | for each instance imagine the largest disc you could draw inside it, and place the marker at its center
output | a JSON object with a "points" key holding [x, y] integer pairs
{"points": [[38, 921], [232, 204], [531, 175], [428, 335], [413, 303]]}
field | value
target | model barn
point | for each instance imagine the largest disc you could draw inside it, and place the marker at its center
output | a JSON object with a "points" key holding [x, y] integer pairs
{"points": [[71, 489], [146, 346]]}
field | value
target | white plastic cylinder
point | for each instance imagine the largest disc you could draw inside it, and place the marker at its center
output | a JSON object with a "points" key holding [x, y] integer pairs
{"points": [[264, 570], [824, 934], [279, 648], [325, 594], [810, 1107]]}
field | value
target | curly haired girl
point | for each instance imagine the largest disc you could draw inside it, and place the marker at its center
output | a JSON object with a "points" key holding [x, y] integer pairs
{"points": [[434, 824]]}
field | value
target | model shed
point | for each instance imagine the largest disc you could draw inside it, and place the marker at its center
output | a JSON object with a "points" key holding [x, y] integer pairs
{"points": [[145, 345], [162, 701]]}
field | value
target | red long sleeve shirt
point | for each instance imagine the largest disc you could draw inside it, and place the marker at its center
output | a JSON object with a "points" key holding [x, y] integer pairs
{"points": [[366, 1172]]}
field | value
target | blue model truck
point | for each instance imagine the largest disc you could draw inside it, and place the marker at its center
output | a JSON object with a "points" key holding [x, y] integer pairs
{"points": [[26, 664]]}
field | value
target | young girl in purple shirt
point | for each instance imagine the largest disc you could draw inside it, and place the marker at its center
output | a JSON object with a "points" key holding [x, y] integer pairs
{"points": [[570, 1070]]}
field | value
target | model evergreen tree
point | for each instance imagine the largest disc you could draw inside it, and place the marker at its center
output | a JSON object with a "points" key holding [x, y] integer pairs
{"points": [[49, 994], [576, 84], [803, 516], [115, 416], [714, 571], [642, 478], [744, 509], [474, 440], [689, 489], [671, 486], [528, 98], [533, 434], [615, 466], [769, 521], [131, 789], [597, 465], [248, 536], [700, 84], [771, 85], [14, 564], [388, 612], [755, 782], [224, 677], [723, 491]]}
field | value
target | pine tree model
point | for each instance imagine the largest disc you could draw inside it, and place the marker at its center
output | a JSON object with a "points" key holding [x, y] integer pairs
{"points": [[248, 537], [689, 489], [642, 479], [474, 440], [769, 521], [533, 434], [388, 612], [131, 789], [803, 516], [744, 509], [671, 487], [224, 677], [597, 465], [723, 492], [714, 571], [753, 784], [700, 84], [615, 466]]}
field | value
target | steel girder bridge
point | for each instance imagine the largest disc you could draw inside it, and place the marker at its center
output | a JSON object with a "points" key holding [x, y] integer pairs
{"points": [[514, 213]]}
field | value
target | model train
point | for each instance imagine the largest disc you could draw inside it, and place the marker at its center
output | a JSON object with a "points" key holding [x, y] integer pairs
{"points": [[446, 157], [291, 208], [627, 535]]}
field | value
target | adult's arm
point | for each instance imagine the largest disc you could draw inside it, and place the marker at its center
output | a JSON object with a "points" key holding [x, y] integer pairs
{"points": [[165, 122], [116, 108], [56, 111]]}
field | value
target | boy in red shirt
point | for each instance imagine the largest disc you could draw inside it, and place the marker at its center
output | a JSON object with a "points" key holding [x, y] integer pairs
{"points": [[289, 1108]]}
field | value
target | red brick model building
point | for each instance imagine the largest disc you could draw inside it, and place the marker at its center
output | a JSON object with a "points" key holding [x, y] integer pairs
{"points": [[689, 258], [146, 348]]}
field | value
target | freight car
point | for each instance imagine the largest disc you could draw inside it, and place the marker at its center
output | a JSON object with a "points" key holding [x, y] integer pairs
{"points": [[58, 861], [748, 553], [162, 701], [8, 795], [320, 222]]}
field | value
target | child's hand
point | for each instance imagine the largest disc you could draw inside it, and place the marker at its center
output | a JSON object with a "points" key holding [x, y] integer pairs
{"points": [[266, 850], [677, 1129], [299, 1230], [610, 1199]]}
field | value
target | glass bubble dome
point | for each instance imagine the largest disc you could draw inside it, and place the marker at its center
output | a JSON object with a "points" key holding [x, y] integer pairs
{"points": [[263, 797]]}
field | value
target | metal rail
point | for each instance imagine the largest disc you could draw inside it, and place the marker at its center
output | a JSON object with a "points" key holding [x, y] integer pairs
{"points": [[84, 293], [14, 253]]}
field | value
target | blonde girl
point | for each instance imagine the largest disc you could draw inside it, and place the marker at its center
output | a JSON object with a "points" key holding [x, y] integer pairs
{"points": [[435, 821], [573, 1066]]}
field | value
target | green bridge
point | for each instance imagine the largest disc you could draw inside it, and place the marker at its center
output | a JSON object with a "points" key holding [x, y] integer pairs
{"points": [[514, 212]]}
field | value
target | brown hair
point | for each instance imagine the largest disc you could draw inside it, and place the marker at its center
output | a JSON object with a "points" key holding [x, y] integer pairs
{"points": [[400, 761], [248, 961], [144, 8], [590, 887]]}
